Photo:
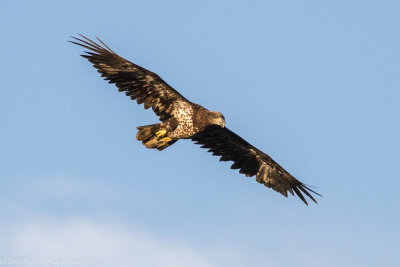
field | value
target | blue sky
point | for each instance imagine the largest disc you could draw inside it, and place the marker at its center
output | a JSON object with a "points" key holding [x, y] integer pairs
{"points": [[315, 85]]}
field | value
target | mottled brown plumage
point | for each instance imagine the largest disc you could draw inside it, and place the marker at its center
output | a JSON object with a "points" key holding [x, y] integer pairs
{"points": [[182, 119], [250, 161]]}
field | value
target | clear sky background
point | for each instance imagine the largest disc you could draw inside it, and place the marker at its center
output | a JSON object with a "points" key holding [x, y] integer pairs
{"points": [[315, 84]]}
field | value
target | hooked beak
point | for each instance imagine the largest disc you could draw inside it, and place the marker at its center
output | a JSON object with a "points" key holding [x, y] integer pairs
{"points": [[221, 122]]}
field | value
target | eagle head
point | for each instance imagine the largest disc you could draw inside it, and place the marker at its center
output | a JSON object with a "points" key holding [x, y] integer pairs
{"points": [[217, 118]]}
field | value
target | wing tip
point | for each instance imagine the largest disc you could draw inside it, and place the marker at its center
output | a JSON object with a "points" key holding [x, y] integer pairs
{"points": [[305, 189], [90, 44]]}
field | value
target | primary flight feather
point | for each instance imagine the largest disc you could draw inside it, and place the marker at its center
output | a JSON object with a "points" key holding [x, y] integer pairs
{"points": [[182, 119]]}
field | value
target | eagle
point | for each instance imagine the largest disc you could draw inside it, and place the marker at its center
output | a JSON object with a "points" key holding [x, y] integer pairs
{"points": [[183, 119]]}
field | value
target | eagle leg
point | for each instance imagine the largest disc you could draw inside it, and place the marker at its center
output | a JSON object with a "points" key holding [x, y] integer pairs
{"points": [[154, 136], [166, 139], [161, 133]]}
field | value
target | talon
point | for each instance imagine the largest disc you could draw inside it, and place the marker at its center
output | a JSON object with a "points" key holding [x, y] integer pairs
{"points": [[161, 133], [166, 139]]}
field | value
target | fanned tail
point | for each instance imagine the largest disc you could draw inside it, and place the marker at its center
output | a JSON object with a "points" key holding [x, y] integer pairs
{"points": [[154, 136]]}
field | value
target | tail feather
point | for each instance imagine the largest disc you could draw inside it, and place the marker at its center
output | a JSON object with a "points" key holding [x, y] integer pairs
{"points": [[148, 135], [146, 132]]}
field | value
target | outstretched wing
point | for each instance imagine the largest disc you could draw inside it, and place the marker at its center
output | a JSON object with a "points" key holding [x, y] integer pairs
{"points": [[251, 161], [137, 82]]}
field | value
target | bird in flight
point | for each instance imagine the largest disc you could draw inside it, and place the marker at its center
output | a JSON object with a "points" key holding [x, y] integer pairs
{"points": [[183, 119]]}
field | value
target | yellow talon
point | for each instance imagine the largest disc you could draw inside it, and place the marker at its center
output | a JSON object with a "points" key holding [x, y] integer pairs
{"points": [[166, 139], [161, 133]]}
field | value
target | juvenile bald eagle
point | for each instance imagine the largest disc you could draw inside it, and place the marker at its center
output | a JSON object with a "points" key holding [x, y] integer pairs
{"points": [[182, 119]]}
